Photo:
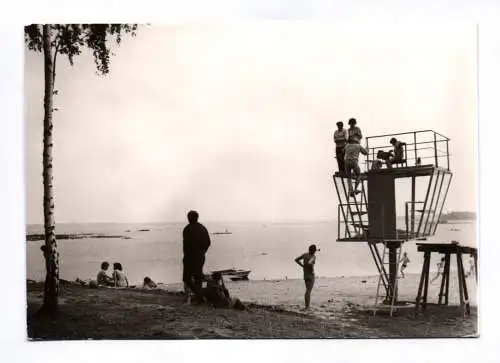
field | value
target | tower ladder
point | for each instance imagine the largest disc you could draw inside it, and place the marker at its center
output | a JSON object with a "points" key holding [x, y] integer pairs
{"points": [[384, 279]]}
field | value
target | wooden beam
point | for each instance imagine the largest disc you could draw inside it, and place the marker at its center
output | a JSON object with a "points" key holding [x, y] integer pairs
{"points": [[445, 248], [447, 267], [464, 284], [443, 281], [421, 284], [427, 259], [475, 265], [460, 281]]}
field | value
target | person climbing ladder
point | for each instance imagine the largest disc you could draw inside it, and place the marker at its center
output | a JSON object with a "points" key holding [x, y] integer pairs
{"points": [[352, 150]]}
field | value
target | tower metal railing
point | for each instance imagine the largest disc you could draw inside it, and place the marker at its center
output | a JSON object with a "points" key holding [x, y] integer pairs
{"points": [[424, 147]]}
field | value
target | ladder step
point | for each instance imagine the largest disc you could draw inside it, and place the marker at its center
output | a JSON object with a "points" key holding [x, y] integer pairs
{"points": [[362, 225], [360, 212]]}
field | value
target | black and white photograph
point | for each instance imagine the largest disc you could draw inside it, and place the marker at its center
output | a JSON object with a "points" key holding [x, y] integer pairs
{"points": [[251, 180]]}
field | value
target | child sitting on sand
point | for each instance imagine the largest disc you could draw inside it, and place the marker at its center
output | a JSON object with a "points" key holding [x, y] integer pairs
{"points": [[308, 260], [217, 295], [149, 284], [119, 277], [102, 277]]}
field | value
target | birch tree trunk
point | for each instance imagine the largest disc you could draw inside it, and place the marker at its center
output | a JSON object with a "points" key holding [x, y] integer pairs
{"points": [[50, 302]]}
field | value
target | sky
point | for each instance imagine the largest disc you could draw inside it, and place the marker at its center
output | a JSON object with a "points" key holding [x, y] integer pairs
{"points": [[236, 120]]}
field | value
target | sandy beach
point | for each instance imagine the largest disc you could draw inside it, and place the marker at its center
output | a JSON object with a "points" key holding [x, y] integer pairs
{"points": [[341, 308]]}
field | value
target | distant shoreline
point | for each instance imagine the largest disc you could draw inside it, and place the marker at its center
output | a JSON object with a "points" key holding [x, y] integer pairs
{"points": [[41, 237]]}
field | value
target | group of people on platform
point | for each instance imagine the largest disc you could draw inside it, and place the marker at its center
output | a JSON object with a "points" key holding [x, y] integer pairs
{"points": [[348, 147]]}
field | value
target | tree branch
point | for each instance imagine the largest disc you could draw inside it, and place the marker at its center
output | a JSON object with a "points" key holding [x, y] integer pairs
{"points": [[85, 36]]}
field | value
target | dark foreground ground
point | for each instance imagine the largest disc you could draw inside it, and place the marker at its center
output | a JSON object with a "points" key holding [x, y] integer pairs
{"points": [[145, 314]]}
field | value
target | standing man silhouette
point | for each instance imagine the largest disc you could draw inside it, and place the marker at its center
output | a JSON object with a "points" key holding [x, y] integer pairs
{"points": [[195, 244]]}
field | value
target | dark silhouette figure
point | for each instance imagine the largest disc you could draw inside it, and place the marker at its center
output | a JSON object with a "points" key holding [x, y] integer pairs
{"points": [[196, 242], [217, 294]]}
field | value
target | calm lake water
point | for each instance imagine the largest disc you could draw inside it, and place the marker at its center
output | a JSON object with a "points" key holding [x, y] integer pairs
{"points": [[267, 249]]}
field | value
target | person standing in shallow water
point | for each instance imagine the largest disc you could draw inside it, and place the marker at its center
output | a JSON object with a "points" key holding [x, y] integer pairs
{"points": [[195, 244], [308, 260]]}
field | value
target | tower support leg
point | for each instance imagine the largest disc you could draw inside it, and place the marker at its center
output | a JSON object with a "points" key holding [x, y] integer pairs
{"points": [[393, 271]]}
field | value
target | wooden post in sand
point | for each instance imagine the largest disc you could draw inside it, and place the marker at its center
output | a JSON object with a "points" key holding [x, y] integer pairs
{"points": [[424, 278], [475, 266], [460, 281], [447, 270], [445, 279], [426, 287], [464, 296], [447, 250]]}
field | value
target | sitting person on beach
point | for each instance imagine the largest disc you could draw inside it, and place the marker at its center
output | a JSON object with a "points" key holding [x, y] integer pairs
{"points": [[217, 294], [102, 277], [440, 266], [119, 277], [308, 260], [404, 263], [88, 283], [149, 284]]}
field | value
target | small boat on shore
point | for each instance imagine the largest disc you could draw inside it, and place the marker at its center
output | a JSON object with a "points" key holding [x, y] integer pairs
{"points": [[225, 232], [235, 274]]}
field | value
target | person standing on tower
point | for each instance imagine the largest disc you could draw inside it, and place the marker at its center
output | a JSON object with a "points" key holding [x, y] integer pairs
{"points": [[354, 132], [340, 137]]}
